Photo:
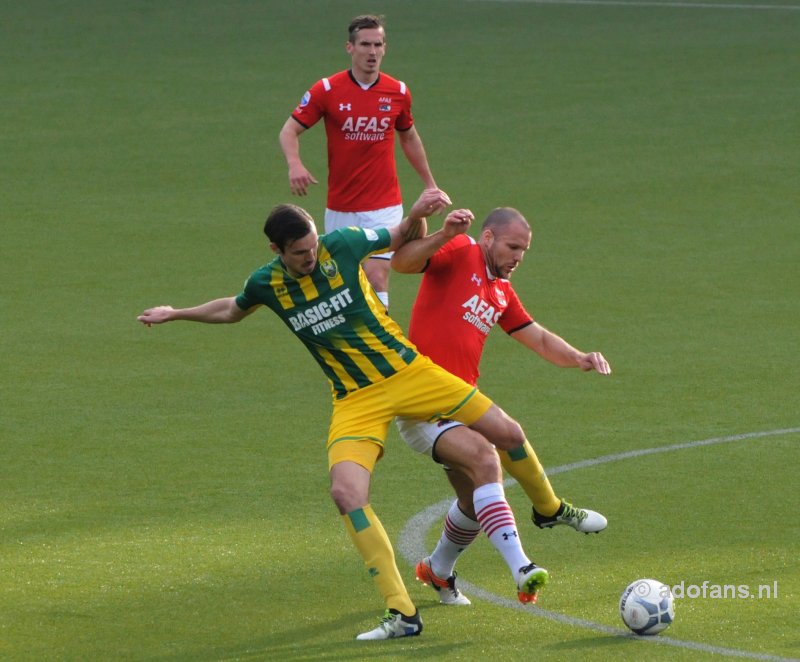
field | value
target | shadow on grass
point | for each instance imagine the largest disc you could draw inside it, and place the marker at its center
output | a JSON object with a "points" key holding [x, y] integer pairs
{"points": [[593, 644], [624, 646], [330, 640]]}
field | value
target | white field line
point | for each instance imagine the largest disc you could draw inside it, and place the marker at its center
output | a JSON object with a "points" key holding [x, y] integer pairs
{"points": [[411, 546]]}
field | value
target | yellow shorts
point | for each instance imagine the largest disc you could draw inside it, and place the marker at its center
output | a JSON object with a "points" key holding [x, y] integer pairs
{"points": [[422, 390]]}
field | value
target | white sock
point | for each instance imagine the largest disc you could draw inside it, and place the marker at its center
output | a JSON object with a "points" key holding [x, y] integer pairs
{"points": [[384, 297], [499, 525], [458, 532]]}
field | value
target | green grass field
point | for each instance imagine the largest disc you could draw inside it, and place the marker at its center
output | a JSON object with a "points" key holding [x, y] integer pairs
{"points": [[164, 491]]}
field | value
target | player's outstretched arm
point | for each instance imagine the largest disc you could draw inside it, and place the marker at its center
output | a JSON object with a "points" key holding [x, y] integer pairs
{"points": [[218, 311], [412, 257], [558, 351], [289, 138]]}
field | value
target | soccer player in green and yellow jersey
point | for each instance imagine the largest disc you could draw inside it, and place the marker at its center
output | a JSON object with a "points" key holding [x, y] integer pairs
{"points": [[331, 309], [317, 286]]}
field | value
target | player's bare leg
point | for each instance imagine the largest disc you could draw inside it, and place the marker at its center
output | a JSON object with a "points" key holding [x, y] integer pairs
{"points": [[463, 449], [519, 459]]}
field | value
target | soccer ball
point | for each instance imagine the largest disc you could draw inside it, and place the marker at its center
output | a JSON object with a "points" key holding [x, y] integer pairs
{"points": [[647, 606]]}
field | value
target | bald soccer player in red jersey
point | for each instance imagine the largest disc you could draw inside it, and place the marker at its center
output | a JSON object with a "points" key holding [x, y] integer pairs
{"points": [[465, 292]]}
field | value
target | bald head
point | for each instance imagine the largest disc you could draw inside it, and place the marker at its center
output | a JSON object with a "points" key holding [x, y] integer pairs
{"points": [[500, 218], [505, 236]]}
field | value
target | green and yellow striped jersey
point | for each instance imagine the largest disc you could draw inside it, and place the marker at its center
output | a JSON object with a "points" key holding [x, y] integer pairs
{"points": [[335, 312]]}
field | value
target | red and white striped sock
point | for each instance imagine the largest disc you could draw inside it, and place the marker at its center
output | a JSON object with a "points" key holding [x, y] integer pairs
{"points": [[499, 525], [459, 531]]}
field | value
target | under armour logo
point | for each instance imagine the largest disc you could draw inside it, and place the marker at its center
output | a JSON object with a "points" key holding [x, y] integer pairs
{"points": [[476, 280], [513, 534], [345, 106]]}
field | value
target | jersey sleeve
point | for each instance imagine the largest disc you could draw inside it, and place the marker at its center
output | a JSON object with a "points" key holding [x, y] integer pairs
{"points": [[248, 297], [311, 107], [405, 120], [515, 316], [363, 242], [444, 257]]}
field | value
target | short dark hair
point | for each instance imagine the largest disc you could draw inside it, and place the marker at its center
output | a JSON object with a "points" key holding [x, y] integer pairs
{"points": [[287, 223], [499, 218], [365, 21]]}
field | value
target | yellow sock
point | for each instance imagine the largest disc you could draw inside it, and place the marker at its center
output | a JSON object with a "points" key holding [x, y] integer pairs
{"points": [[371, 541], [524, 467]]}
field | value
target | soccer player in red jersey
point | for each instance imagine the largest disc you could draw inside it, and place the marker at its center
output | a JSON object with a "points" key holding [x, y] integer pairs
{"points": [[363, 110], [465, 292]]}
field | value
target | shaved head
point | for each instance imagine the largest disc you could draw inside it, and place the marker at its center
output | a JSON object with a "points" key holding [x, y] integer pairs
{"points": [[500, 218], [505, 236]]}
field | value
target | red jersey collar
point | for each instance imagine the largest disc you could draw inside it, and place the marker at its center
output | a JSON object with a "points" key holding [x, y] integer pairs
{"points": [[355, 80]]}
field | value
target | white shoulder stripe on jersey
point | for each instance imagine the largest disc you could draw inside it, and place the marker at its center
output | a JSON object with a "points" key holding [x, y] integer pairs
{"points": [[326, 84], [471, 240], [402, 87]]}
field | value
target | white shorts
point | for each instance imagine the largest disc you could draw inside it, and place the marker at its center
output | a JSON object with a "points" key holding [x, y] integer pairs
{"points": [[377, 218], [422, 436]]}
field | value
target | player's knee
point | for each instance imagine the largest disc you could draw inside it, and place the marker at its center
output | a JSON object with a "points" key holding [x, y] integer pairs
{"points": [[471, 455], [500, 429], [510, 434], [485, 466], [516, 434], [346, 498]]}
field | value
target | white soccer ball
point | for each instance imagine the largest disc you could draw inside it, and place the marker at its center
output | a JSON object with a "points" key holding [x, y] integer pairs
{"points": [[647, 606]]}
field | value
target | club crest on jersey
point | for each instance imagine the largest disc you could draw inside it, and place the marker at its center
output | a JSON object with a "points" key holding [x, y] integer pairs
{"points": [[385, 107], [281, 290], [329, 268], [501, 297]]}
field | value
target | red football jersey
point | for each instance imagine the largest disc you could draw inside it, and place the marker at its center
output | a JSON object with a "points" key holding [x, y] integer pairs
{"points": [[458, 304], [360, 126]]}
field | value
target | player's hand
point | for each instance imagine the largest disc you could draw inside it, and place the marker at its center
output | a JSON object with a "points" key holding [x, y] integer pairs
{"points": [[457, 222], [431, 201], [594, 361], [444, 204], [300, 179], [157, 315]]}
